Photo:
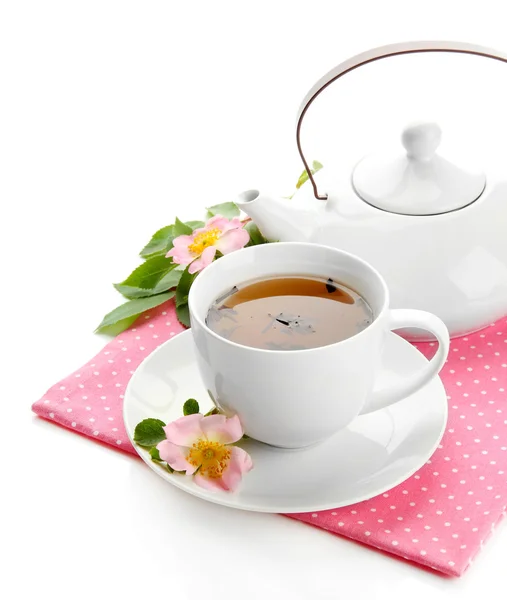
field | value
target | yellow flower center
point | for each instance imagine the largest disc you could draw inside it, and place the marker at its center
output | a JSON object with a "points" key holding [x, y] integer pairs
{"points": [[211, 457], [203, 240]]}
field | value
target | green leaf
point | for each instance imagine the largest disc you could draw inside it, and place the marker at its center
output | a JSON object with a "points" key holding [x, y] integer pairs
{"points": [[195, 224], [168, 281], [132, 308], [228, 210], [149, 273], [162, 240], [191, 407], [256, 236], [116, 328], [131, 292], [183, 314], [145, 279], [184, 286], [160, 243], [303, 178], [149, 432], [181, 228], [155, 454]]}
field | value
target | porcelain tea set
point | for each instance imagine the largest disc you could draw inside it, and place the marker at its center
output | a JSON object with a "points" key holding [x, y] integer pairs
{"points": [[346, 421], [434, 229]]}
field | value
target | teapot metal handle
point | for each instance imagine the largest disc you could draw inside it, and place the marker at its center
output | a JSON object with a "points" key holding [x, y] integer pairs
{"points": [[371, 56]]}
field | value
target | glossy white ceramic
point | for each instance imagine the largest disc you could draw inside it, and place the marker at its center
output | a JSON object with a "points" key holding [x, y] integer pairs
{"points": [[418, 181], [373, 454], [293, 399], [452, 264]]}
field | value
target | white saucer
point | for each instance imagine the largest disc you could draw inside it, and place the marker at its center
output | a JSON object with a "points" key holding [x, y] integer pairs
{"points": [[373, 454]]}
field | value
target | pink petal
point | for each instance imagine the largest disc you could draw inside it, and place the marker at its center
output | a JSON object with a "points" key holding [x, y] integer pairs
{"points": [[204, 260], [175, 456], [224, 224], [217, 222], [208, 483], [200, 230], [239, 463], [217, 428], [185, 430], [234, 223], [232, 240], [181, 256], [183, 241]]}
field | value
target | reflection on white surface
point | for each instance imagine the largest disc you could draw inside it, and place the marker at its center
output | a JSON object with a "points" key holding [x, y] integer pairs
{"points": [[373, 454], [452, 264], [478, 273]]}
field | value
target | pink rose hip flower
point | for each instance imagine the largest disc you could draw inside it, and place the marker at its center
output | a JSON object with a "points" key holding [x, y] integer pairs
{"points": [[201, 446], [198, 249]]}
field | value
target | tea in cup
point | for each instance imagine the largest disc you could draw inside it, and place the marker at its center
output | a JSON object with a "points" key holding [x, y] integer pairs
{"points": [[289, 336]]}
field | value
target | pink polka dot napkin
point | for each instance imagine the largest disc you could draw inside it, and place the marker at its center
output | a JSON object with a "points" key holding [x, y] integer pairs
{"points": [[440, 517]]}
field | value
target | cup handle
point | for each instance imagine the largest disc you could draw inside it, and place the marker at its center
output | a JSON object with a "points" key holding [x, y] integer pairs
{"points": [[398, 319]]}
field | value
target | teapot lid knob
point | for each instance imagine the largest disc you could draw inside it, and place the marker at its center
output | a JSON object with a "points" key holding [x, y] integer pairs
{"points": [[421, 182], [421, 140]]}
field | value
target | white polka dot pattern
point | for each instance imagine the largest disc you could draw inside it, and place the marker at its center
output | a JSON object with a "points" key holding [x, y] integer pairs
{"points": [[94, 405], [440, 517]]}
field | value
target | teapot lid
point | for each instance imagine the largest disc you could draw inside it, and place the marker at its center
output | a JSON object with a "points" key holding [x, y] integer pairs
{"points": [[419, 182]]}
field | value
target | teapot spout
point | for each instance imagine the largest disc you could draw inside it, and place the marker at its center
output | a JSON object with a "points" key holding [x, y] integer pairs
{"points": [[276, 218]]}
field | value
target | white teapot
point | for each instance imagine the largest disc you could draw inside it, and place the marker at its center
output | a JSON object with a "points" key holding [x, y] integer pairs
{"points": [[437, 232]]}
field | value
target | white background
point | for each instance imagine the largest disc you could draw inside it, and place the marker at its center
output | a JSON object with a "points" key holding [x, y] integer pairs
{"points": [[115, 116]]}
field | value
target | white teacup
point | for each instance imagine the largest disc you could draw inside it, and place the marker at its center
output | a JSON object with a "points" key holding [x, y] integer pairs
{"points": [[293, 399]]}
